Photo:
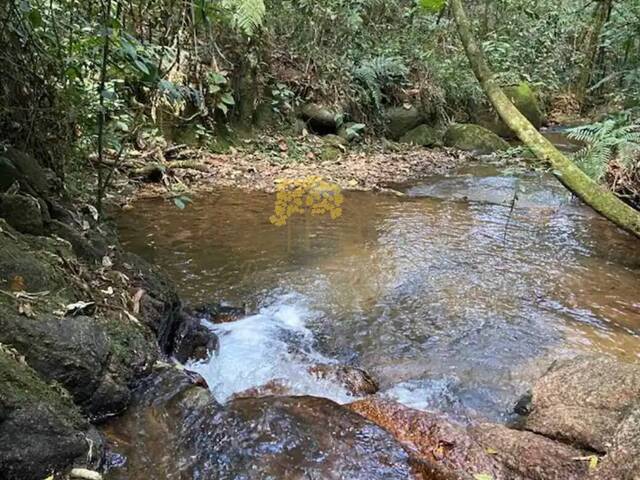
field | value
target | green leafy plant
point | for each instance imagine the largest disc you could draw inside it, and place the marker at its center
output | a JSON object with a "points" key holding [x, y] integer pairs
{"points": [[377, 75], [607, 140]]}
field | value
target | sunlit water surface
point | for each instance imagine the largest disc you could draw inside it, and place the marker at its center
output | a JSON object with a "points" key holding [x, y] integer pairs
{"points": [[455, 297]]}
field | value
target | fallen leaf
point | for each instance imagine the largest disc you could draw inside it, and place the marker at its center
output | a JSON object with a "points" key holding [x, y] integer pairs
{"points": [[108, 291], [482, 476], [25, 309], [593, 462], [491, 451]]}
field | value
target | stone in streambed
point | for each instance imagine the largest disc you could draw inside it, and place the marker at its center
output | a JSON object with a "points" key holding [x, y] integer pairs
{"points": [[320, 119], [354, 380]]}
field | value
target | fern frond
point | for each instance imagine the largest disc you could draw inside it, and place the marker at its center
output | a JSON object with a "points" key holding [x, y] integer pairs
{"points": [[248, 15]]}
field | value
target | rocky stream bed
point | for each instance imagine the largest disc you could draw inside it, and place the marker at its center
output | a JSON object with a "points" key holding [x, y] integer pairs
{"points": [[103, 368]]}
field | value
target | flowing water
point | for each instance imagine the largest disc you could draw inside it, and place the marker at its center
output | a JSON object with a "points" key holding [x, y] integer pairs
{"points": [[455, 297]]}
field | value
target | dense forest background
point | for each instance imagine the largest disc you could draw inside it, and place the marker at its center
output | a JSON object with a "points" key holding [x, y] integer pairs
{"points": [[84, 82]]}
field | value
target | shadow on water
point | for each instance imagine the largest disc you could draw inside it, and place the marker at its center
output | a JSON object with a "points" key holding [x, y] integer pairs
{"points": [[450, 298]]}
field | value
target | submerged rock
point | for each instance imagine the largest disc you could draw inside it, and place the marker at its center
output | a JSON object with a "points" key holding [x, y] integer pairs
{"points": [[401, 120], [583, 400], [176, 430], [423, 136], [474, 138]]}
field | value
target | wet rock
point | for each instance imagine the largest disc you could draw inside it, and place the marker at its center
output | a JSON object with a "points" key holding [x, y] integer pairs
{"points": [[434, 438], [193, 341], [320, 119], [177, 431], [157, 434], [276, 387], [22, 212], [356, 381], [423, 136], [40, 429], [623, 460], [401, 120], [158, 304], [530, 456], [217, 313], [583, 400], [474, 138]]}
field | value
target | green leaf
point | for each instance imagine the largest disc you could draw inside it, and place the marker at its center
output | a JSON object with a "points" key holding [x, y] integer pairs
{"points": [[228, 99], [593, 462], [140, 65], [223, 107], [432, 6], [35, 18], [179, 203]]}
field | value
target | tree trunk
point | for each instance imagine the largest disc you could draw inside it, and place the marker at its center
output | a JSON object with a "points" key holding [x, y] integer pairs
{"points": [[601, 200], [592, 43]]}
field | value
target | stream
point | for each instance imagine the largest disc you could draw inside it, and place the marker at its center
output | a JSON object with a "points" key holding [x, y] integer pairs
{"points": [[452, 298]]}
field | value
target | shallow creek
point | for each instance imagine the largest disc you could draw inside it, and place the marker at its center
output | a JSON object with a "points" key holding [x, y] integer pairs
{"points": [[452, 299]]}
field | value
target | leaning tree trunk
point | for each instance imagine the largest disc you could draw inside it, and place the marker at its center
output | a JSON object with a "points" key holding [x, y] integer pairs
{"points": [[594, 195]]}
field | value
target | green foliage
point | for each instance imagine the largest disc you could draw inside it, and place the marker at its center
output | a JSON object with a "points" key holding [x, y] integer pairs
{"points": [[611, 139], [432, 6], [378, 75], [248, 15]]}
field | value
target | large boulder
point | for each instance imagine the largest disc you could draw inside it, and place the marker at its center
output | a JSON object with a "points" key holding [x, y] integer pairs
{"points": [[471, 137], [530, 456], [623, 460], [583, 400], [320, 119], [477, 451], [401, 120], [176, 430], [18, 167], [525, 99], [423, 136], [40, 429]]}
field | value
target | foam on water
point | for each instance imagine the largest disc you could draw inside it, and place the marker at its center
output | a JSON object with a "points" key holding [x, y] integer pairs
{"points": [[274, 344]]}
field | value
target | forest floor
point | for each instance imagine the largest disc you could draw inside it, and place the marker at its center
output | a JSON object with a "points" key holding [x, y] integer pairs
{"points": [[258, 165]]}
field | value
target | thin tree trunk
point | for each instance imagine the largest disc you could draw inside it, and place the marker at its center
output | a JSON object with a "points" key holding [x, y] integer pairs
{"points": [[592, 44], [598, 198]]}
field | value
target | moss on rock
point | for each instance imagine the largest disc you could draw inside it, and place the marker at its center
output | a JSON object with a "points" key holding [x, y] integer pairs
{"points": [[400, 120], [474, 138], [422, 135], [525, 99]]}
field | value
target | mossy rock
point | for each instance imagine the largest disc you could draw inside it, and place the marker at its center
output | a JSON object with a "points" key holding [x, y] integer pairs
{"points": [[423, 136], [263, 116], [40, 429], [471, 137], [525, 99], [401, 120]]}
